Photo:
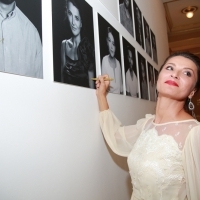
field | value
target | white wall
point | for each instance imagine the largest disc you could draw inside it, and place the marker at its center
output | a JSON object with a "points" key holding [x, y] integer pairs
{"points": [[51, 146]]}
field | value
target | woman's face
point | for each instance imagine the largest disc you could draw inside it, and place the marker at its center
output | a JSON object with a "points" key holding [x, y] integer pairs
{"points": [[177, 78], [111, 44], [74, 19]]}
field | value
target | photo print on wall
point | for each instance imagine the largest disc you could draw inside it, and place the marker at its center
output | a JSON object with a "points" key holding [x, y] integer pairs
{"points": [[131, 74], [156, 78], [73, 42], [143, 77], [126, 18], [20, 38], [110, 55], [147, 37], [151, 80], [138, 25], [154, 48]]}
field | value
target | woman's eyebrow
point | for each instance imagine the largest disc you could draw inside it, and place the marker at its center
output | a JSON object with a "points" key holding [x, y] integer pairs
{"points": [[171, 64]]}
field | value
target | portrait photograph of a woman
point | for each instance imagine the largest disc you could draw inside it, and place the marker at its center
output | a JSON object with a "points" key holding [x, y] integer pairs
{"points": [[154, 48], [138, 25], [126, 18], [147, 37], [152, 85], [73, 40], [143, 77], [110, 55], [131, 79]]}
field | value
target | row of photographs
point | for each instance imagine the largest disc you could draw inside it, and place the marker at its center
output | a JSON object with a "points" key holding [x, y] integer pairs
{"points": [[77, 56], [73, 46], [144, 35]]}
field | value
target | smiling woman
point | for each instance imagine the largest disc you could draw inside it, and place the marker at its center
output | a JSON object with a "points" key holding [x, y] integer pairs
{"points": [[162, 150], [77, 53]]}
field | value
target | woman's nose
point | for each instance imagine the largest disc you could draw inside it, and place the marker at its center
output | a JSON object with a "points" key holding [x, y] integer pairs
{"points": [[175, 75]]}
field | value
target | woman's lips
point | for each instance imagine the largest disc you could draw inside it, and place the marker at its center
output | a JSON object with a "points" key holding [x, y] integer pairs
{"points": [[73, 28], [173, 83]]}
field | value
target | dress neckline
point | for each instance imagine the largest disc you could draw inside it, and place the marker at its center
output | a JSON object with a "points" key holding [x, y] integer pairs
{"points": [[175, 122]]}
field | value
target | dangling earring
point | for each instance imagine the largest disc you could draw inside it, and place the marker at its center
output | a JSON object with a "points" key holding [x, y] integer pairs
{"points": [[191, 107]]}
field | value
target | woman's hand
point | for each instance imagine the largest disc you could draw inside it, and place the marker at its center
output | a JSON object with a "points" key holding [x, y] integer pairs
{"points": [[101, 92], [102, 85]]}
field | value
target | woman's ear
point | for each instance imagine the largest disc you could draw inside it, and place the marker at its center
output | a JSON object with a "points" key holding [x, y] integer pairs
{"points": [[192, 94]]}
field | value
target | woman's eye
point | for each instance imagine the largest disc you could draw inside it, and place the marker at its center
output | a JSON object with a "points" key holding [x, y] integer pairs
{"points": [[77, 18], [69, 13], [169, 68], [188, 73]]}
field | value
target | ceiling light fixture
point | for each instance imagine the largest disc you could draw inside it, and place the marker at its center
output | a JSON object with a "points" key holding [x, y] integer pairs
{"points": [[189, 11]]}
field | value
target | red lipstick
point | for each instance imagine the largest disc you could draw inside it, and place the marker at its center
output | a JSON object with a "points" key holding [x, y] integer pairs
{"points": [[171, 83]]}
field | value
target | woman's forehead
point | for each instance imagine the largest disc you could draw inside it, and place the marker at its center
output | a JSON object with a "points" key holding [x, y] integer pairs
{"points": [[181, 61]]}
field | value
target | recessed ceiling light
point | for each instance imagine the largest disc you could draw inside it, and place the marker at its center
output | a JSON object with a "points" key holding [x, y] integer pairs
{"points": [[189, 11]]}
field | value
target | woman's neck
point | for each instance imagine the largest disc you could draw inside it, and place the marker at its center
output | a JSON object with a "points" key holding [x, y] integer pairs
{"points": [[168, 110], [76, 40]]}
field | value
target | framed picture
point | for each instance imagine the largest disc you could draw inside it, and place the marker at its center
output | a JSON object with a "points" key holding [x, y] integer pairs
{"points": [[138, 25], [156, 78], [110, 54], [152, 84], [126, 18], [143, 77], [73, 42], [154, 49], [130, 66], [22, 37], [147, 37]]}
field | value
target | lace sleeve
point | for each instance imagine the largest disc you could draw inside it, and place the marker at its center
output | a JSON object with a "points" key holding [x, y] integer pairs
{"points": [[191, 163], [120, 138]]}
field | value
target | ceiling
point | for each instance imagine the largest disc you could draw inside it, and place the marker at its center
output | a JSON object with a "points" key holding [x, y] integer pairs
{"points": [[183, 33]]}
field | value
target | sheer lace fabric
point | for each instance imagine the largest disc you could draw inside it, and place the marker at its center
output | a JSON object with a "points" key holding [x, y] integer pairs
{"points": [[155, 162], [163, 159]]}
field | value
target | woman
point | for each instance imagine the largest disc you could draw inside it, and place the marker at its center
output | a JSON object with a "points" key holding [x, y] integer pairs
{"points": [[77, 54], [163, 150], [111, 66]]}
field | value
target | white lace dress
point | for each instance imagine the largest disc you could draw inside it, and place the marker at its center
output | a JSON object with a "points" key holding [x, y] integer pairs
{"points": [[163, 159]]}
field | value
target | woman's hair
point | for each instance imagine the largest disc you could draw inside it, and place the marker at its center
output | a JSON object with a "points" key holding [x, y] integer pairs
{"points": [[109, 30], [78, 6], [195, 59]]}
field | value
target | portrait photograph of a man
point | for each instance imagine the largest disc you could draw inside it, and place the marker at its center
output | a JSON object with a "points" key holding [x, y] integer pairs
{"points": [[138, 25], [20, 38], [143, 77], [130, 69]]}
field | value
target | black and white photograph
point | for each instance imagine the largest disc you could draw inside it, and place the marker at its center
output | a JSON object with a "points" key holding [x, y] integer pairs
{"points": [[126, 18], [156, 78], [143, 77], [154, 48], [151, 80], [130, 67], [147, 37], [21, 38], [110, 55], [73, 42], [138, 25]]}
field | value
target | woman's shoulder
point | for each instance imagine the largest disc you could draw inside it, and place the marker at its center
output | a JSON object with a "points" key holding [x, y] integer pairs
{"points": [[105, 58], [67, 43]]}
